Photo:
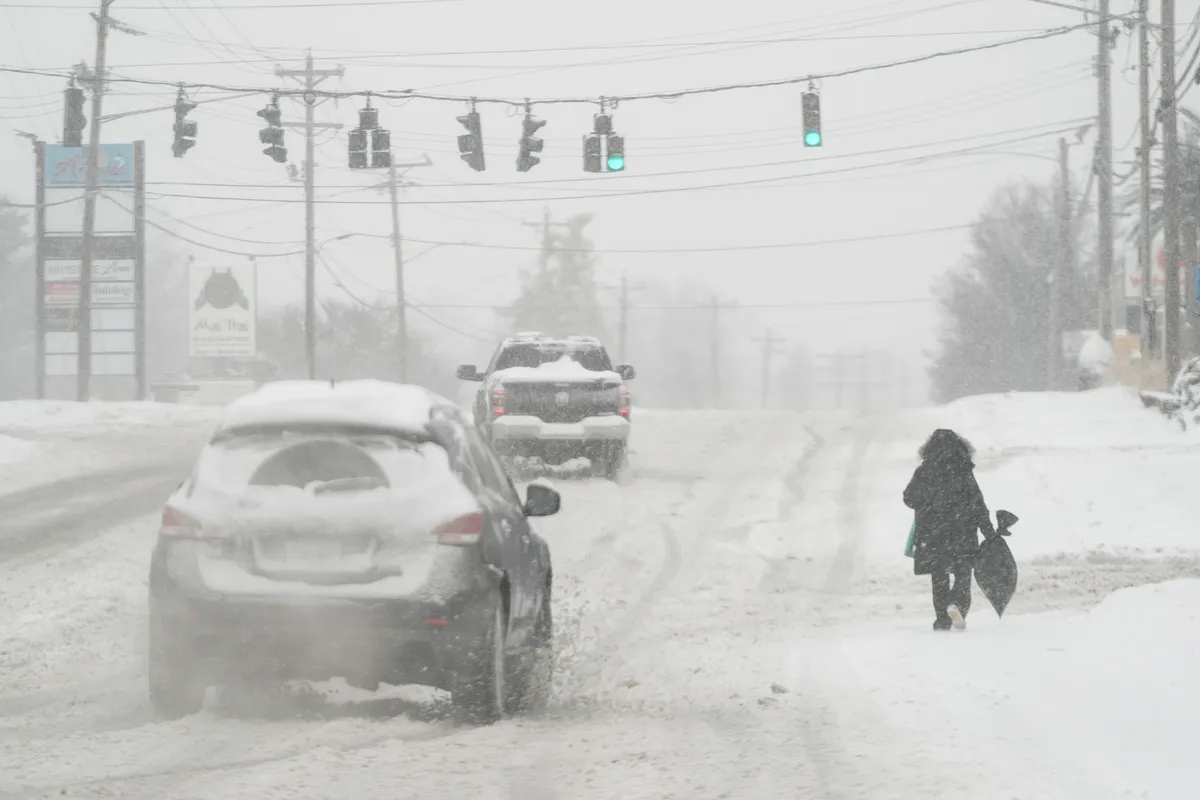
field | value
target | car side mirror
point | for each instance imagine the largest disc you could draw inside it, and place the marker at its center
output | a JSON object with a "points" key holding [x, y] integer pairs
{"points": [[542, 499], [626, 371], [468, 372], [1005, 519]]}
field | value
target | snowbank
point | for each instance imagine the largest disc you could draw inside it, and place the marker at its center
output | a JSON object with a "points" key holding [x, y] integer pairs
{"points": [[1093, 476], [1095, 704], [58, 416], [46, 440], [1085, 472]]}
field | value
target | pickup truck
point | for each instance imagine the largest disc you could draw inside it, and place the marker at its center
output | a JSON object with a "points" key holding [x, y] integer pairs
{"points": [[554, 399]]}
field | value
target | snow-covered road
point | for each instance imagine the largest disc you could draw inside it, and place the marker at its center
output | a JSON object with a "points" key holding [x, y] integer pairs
{"points": [[734, 621]]}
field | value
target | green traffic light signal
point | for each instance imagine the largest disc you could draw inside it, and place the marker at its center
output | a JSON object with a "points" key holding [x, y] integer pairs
{"points": [[616, 162], [812, 139]]}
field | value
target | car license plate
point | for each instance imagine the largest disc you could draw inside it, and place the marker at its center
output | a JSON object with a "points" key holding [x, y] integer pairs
{"points": [[312, 551]]}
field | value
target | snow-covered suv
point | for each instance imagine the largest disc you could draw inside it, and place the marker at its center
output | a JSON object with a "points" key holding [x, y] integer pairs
{"points": [[554, 399]]}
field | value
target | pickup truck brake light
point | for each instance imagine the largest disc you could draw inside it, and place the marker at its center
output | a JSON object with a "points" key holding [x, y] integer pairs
{"points": [[623, 405], [498, 401]]}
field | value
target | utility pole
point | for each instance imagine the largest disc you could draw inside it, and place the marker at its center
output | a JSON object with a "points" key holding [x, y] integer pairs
{"points": [[1104, 170], [547, 243], [1058, 267], [1170, 191], [623, 324], [769, 349], [715, 366], [1149, 317], [398, 253], [84, 369], [312, 78]]}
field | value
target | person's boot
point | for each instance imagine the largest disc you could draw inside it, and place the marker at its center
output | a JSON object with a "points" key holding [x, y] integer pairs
{"points": [[957, 620], [942, 624]]}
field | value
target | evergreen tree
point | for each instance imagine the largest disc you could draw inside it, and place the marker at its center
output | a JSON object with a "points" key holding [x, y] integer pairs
{"points": [[561, 297], [995, 334]]}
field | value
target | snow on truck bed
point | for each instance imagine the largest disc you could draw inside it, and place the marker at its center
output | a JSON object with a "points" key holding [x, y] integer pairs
{"points": [[564, 369]]}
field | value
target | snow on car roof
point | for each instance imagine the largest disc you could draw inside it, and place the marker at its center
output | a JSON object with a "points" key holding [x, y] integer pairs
{"points": [[564, 368], [379, 404]]}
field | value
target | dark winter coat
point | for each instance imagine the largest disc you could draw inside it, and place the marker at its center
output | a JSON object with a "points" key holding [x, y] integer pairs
{"points": [[949, 506]]}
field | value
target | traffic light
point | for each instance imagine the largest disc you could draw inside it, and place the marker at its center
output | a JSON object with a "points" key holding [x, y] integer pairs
{"points": [[358, 149], [381, 148], [615, 161], [592, 156], [600, 140], [470, 144], [272, 135], [185, 130], [530, 144], [811, 104], [74, 120]]}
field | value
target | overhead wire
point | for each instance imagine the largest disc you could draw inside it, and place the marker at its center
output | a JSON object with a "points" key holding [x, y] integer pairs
{"points": [[609, 100]]}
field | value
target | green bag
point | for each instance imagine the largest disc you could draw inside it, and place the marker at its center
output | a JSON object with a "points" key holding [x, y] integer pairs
{"points": [[912, 533]]}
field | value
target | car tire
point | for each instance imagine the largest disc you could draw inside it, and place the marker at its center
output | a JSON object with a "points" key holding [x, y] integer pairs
{"points": [[537, 676], [609, 461], [481, 688], [176, 691]]}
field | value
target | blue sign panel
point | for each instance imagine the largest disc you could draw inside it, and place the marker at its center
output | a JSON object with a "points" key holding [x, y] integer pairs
{"points": [[67, 166]]}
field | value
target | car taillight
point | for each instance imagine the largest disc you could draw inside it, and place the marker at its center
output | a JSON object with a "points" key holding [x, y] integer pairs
{"points": [[177, 523], [497, 401], [461, 532], [623, 403]]}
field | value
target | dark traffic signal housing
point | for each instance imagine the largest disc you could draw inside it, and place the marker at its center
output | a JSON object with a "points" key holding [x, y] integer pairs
{"points": [[530, 144], [74, 120], [272, 135], [603, 150], [368, 137], [811, 106], [470, 144], [185, 130]]}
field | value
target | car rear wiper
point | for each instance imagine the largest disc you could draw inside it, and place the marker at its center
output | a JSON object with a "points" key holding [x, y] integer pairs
{"points": [[360, 484]]}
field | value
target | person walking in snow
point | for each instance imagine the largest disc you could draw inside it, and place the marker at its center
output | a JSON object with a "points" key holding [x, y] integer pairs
{"points": [[949, 513]]}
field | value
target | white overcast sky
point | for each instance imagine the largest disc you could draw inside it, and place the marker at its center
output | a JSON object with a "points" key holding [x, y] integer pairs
{"points": [[546, 48]]}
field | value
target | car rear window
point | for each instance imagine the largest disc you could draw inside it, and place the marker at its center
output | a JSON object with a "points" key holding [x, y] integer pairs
{"points": [[318, 461], [534, 355]]}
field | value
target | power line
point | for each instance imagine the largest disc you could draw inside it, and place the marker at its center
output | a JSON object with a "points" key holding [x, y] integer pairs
{"points": [[1057, 125], [611, 101], [256, 6], [777, 179]]}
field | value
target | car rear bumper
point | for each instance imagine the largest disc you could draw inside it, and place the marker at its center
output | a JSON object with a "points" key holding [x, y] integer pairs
{"points": [[591, 429], [397, 641]]}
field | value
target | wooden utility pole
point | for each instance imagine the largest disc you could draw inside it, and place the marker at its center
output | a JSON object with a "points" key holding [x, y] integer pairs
{"points": [[398, 254], [1170, 191], [312, 78], [83, 372], [769, 349], [1149, 317], [1104, 170], [623, 321], [1059, 267]]}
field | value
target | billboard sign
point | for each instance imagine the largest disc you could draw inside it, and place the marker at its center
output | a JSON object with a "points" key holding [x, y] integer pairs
{"points": [[62, 294], [62, 319], [113, 269], [223, 311], [113, 294], [67, 166], [70, 246]]}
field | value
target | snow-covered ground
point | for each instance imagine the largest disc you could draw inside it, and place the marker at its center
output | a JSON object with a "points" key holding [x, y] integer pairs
{"points": [[45, 440], [735, 620]]}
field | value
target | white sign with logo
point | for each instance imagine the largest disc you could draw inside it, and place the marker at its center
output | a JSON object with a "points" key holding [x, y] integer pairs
{"points": [[105, 270], [223, 310], [112, 294]]}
